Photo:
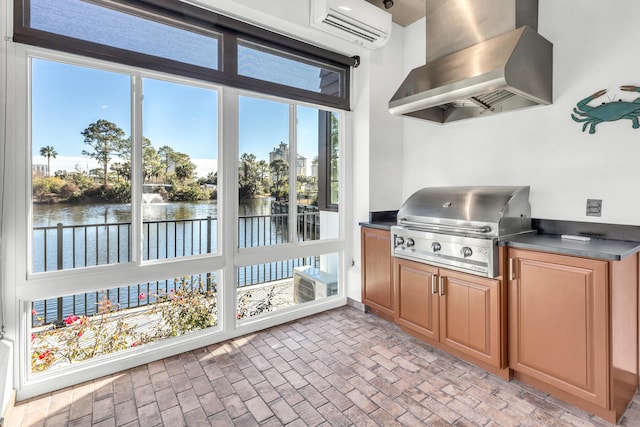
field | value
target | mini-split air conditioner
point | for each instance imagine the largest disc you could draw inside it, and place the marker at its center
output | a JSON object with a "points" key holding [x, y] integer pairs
{"points": [[354, 20]]}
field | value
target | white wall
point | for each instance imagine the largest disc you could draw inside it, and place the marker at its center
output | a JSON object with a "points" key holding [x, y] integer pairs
{"points": [[385, 130], [595, 47]]}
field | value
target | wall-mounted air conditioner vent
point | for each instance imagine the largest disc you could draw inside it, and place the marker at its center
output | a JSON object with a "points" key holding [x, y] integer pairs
{"points": [[354, 20]]}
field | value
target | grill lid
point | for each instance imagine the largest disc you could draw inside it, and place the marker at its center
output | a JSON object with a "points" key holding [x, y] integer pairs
{"points": [[487, 210]]}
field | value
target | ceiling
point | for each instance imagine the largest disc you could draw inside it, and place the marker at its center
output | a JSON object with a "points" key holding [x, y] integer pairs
{"points": [[404, 12]]}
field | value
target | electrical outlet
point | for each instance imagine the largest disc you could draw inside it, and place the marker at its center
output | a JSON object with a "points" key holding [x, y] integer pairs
{"points": [[594, 207]]}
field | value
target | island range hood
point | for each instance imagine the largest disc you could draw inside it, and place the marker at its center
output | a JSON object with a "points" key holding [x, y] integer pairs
{"points": [[483, 57]]}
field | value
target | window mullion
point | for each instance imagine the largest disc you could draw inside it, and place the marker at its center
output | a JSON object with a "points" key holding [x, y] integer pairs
{"points": [[293, 163], [136, 169]]}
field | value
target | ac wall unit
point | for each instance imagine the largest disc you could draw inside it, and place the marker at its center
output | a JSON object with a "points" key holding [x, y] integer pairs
{"points": [[354, 20], [312, 283]]}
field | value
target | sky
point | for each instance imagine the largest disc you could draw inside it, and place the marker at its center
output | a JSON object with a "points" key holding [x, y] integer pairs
{"points": [[66, 99]]}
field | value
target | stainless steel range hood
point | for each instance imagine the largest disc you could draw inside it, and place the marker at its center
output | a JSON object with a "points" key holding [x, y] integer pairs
{"points": [[486, 73]]}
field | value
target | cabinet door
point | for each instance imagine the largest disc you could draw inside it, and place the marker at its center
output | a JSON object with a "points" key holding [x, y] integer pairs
{"points": [[558, 322], [470, 315], [416, 297], [377, 286]]}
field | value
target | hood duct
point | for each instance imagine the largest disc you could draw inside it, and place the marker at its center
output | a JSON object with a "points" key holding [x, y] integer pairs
{"points": [[483, 57]]}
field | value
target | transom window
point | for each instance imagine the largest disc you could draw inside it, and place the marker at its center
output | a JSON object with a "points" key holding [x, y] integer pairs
{"points": [[178, 38]]}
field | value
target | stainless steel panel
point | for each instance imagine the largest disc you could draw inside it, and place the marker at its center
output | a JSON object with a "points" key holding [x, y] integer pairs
{"points": [[503, 209], [452, 25], [483, 57], [518, 62]]}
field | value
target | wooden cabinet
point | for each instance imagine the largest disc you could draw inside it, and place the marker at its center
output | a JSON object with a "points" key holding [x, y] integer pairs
{"points": [[458, 312], [417, 298], [377, 279], [573, 328]]}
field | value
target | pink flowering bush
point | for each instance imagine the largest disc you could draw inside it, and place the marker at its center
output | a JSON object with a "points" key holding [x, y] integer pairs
{"points": [[81, 338], [190, 307]]}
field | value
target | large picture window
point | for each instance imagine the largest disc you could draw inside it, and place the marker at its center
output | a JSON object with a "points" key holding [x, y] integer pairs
{"points": [[176, 194]]}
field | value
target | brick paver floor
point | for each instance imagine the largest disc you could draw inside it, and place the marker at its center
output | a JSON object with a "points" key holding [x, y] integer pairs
{"points": [[338, 368]]}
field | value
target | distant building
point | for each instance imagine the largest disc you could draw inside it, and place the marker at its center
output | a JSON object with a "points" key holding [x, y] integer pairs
{"points": [[40, 170], [281, 152], [301, 165]]}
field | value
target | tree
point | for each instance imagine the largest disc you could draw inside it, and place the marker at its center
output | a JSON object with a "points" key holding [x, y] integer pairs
{"points": [[151, 161], [48, 151], [247, 176], [280, 171], [263, 173], [106, 139]]}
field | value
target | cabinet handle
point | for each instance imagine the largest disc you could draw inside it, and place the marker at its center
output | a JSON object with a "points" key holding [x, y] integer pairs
{"points": [[512, 274], [434, 289], [441, 286]]}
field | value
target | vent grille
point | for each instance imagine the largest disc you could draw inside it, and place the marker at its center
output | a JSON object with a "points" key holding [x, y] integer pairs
{"points": [[488, 100], [343, 24]]}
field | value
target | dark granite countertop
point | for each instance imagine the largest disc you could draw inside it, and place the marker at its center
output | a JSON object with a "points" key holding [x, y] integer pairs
{"points": [[381, 219], [383, 225], [605, 249], [605, 239]]}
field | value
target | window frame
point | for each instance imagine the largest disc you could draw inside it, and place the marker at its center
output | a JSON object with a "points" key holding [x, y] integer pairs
{"points": [[192, 18], [324, 164]]}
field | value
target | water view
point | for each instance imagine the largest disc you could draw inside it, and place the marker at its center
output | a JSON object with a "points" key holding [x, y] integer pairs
{"points": [[99, 234]]}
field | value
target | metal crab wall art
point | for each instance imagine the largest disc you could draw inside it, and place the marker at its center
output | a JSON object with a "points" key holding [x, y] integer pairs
{"points": [[607, 111]]}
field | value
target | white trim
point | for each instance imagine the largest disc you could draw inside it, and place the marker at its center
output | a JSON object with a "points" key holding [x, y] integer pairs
{"points": [[137, 92], [229, 178]]}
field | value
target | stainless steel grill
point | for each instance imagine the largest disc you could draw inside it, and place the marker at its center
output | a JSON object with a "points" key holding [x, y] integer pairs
{"points": [[460, 227]]}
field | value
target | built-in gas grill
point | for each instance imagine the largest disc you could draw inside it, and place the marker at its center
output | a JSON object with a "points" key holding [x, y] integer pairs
{"points": [[459, 227]]}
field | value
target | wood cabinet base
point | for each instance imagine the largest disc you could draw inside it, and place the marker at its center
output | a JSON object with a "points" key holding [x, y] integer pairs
{"points": [[573, 328], [377, 280], [380, 312], [505, 373], [611, 416]]}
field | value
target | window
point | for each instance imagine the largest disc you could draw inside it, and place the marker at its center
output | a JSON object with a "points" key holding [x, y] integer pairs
{"points": [[179, 170], [268, 64], [82, 168], [81, 198], [185, 40], [131, 202], [329, 161], [85, 177], [101, 323], [278, 285], [92, 22], [278, 202]]}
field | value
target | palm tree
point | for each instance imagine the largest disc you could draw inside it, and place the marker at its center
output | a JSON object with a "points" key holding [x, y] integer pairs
{"points": [[48, 152]]}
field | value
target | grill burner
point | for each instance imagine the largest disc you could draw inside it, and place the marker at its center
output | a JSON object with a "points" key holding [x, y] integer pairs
{"points": [[459, 227]]}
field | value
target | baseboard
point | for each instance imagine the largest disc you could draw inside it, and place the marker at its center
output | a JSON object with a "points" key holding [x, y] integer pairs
{"points": [[355, 304]]}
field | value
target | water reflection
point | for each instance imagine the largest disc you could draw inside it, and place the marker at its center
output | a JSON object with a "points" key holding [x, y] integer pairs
{"points": [[48, 215]]}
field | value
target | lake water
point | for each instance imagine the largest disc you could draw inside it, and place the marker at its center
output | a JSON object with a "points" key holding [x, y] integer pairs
{"points": [[50, 215]]}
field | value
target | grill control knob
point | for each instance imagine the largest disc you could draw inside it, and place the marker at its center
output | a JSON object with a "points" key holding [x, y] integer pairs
{"points": [[435, 246], [410, 242], [466, 252], [399, 241]]}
